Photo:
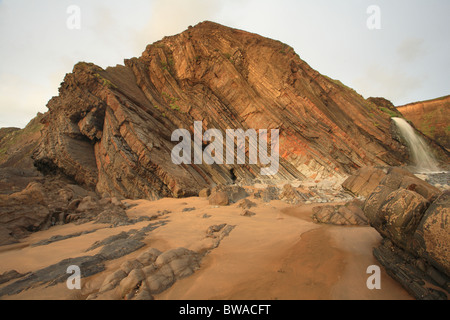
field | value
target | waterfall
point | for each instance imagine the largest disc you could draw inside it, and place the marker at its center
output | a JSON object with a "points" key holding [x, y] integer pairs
{"points": [[421, 154]]}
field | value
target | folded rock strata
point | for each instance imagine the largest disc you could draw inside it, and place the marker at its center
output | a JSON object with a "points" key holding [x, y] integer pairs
{"points": [[111, 129]]}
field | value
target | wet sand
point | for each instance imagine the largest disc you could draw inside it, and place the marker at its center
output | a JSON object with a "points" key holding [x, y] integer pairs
{"points": [[277, 254], [315, 262]]}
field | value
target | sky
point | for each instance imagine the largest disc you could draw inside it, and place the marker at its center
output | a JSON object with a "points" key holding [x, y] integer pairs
{"points": [[400, 51]]}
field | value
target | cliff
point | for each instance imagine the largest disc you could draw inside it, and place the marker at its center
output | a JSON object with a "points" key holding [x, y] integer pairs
{"points": [[110, 130], [431, 117]]}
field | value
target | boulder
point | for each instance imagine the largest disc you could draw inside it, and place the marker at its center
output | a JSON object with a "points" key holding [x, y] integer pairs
{"points": [[364, 181], [432, 236], [6, 237], [400, 215], [421, 187], [113, 215], [131, 283], [246, 204], [290, 195], [112, 280], [204, 193], [219, 198], [401, 178], [270, 193], [247, 213], [26, 211], [149, 256], [143, 293], [394, 177], [413, 219], [349, 214], [234, 193], [130, 265], [161, 280], [373, 204], [87, 204]]}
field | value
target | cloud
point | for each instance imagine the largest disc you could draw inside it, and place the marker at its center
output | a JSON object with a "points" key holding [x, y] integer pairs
{"points": [[38, 49], [411, 49], [392, 83]]}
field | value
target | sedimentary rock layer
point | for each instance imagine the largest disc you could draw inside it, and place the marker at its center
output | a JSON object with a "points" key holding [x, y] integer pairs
{"points": [[431, 117], [111, 129]]}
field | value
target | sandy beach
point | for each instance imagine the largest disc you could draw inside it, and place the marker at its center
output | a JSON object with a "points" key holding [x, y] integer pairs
{"points": [[278, 253]]}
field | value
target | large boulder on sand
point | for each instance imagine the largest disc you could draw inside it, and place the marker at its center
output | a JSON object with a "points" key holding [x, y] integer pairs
{"points": [[413, 219], [432, 237], [400, 215], [224, 195], [397, 205], [349, 214], [373, 204], [400, 178], [364, 181], [219, 198]]}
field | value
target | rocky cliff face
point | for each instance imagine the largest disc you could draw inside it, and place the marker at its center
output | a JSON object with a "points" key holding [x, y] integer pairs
{"points": [[431, 117], [17, 145], [111, 129], [412, 216]]}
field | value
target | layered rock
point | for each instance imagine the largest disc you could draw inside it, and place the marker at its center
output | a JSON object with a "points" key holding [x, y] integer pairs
{"points": [[364, 181], [111, 129], [350, 214], [17, 145], [46, 203], [113, 248], [431, 117], [153, 271], [433, 233], [412, 217]]}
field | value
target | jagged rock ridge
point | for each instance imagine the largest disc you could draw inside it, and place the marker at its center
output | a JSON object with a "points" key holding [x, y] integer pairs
{"points": [[111, 129]]}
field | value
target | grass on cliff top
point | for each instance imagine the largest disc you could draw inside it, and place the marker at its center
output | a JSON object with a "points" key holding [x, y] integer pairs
{"points": [[340, 84], [428, 123], [425, 101], [391, 113]]}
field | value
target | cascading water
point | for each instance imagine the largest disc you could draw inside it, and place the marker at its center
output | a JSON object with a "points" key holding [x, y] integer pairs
{"points": [[421, 154]]}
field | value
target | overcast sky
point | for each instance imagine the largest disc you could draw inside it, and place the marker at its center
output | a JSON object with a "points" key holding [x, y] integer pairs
{"points": [[406, 60]]}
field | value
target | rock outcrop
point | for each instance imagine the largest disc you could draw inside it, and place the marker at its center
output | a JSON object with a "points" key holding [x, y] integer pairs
{"points": [[364, 181], [46, 203], [153, 271], [17, 145], [350, 214], [110, 130], [413, 219], [112, 248], [431, 117]]}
